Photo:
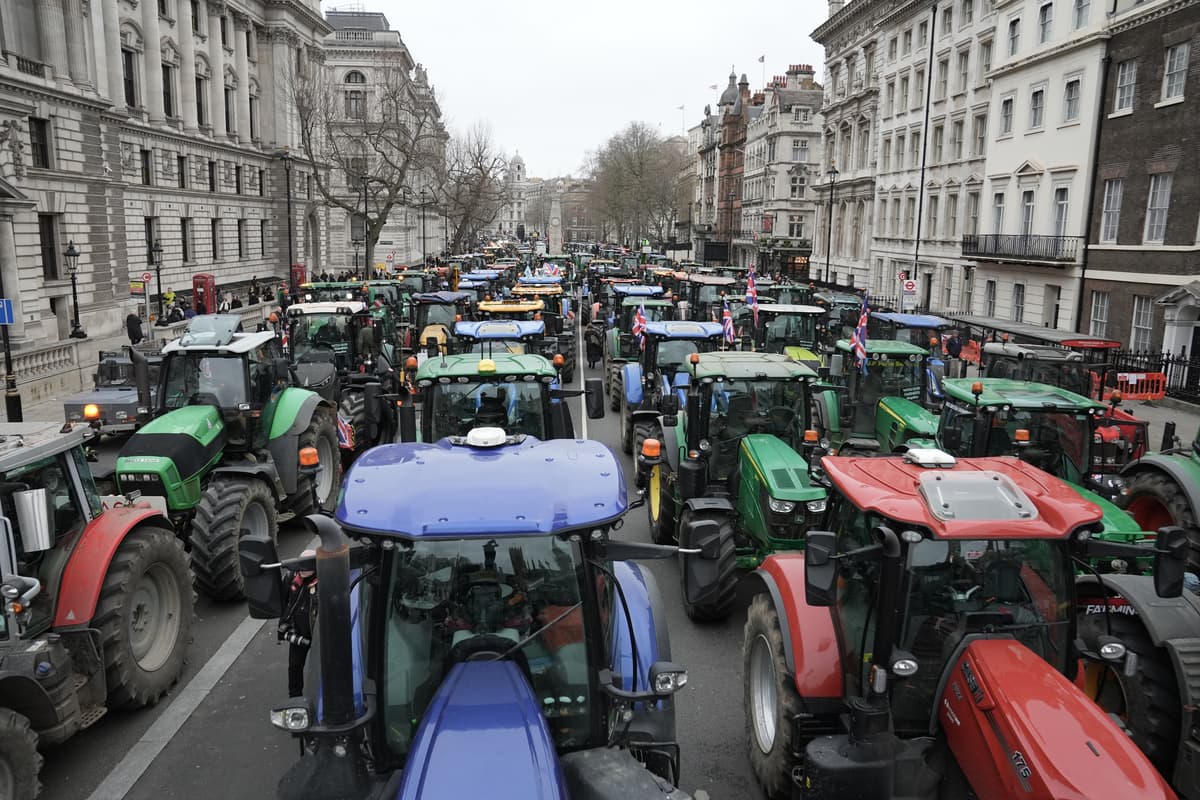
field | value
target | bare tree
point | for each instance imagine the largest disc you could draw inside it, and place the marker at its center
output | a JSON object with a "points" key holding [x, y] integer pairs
{"points": [[473, 189], [375, 139], [636, 183]]}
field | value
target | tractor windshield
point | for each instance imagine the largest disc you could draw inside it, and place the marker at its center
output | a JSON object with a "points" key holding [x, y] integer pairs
{"points": [[451, 600], [455, 408], [1059, 441], [1017, 587], [436, 314], [412, 284], [672, 354], [114, 372], [316, 334], [193, 378], [1073, 376], [742, 407], [789, 330]]}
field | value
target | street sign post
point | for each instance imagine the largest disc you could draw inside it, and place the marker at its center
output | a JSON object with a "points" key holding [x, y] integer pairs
{"points": [[909, 289], [146, 277], [6, 311]]}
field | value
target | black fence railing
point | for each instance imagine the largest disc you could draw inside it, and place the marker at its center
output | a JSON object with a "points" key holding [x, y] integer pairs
{"points": [[1182, 371], [1015, 245]]}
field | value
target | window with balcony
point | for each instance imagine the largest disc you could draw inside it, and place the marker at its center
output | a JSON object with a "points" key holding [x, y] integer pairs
{"points": [[1061, 207], [1071, 100], [1098, 326], [1027, 206], [1014, 36], [1126, 85], [956, 140], [1045, 22], [1082, 9], [1018, 302], [998, 213], [989, 299], [1142, 331], [1006, 116], [1175, 71], [1037, 108], [1110, 219], [39, 142], [1158, 203], [951, 216]]}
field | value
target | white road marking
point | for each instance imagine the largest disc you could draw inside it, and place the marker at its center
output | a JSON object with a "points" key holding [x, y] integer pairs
{"points": [[580, 364]]}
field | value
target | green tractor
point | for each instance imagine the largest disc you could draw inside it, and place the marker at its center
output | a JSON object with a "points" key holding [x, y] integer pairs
{"points": [[728, 480], [224, 446], [1163, 488], [620, 344], [797, 331], [879, 411]]}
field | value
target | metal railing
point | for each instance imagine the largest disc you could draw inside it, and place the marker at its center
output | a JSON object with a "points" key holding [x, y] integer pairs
{"points": [[1182, 371], [1021, 246]]}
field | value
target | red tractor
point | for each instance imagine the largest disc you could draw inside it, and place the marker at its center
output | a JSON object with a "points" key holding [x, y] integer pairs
{"points": [[97, 603], [926, 648]]}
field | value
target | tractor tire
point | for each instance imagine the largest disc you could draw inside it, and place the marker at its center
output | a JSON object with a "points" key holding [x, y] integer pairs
{"points": [[20, 761], [643, 431], [145, 617], [228, 506], [1148, 702], [721, 606], [660, 506], [771, 700], [617, 398], [353, 409], [321, 433], [1154, 499], [627, 430], [606, 368]]}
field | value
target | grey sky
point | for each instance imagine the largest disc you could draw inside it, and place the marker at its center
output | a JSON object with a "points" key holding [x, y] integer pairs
{"points": [[555, 80]]}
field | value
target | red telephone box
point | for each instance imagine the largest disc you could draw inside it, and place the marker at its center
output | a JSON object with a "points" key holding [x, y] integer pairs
{"points": [[298, 276], [204, 293]]}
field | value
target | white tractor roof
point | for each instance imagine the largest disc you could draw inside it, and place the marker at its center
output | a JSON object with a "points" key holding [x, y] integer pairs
{"points": [[240, 343], [327, 307]]}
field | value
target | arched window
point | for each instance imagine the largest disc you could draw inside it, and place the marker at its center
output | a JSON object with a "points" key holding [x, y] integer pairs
{"points": [[354, 76]]}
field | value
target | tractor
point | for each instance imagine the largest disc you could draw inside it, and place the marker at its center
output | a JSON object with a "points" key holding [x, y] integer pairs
{"points": [[513, 308], [730, 472], [432, 316], [844, 309], [113, 406], [701, 295], [512, 337], [224, 446], [661, 370], [1163, 488], [97, 599], [511, 630], [925, 645], [620, 344], [879, 409], [797, 331]]}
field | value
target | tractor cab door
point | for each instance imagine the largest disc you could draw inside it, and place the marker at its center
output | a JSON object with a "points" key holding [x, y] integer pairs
{"points": [[854, 613], [264, 389]]}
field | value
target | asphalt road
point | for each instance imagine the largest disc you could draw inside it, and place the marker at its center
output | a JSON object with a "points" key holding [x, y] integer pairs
{"points": [[210, 737]]}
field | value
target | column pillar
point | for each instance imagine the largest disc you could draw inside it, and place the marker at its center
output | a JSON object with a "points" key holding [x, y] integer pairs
{"points": [[152, 85], [282, 103], [76, 42], [241, 24], [9, 274], [112, 56], [187, 67], [216, 58], [51, 36]]}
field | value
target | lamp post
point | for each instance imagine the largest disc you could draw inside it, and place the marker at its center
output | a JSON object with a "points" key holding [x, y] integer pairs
{"points": [[287, 171], [357, 244], [363, 234], [71, 255], [424, 194], [832, 172], [156, 256]]}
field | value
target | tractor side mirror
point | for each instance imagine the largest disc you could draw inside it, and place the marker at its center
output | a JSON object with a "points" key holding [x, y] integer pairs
{"points": [[263, 578], [670, 410], [820, 568], [282, 369], [951, 438], [1170, 561], [593, 389]]}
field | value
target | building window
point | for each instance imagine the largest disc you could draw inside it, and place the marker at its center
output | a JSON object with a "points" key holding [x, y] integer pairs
{"points": [[354, 76], [892, 49], [181, 171], [224, 31], [902, 98], [985, 60], [212, 176], [1143, 324], [1006, 116], [939, 135], [1099, 323], [1157, 204], [241, 238], [907, 43], [147, 168], [1045, 22], [39, 142], [262, 237], [922, 34], [254, 118], [964, 70], [195, 16], [354, 105], [308, 186], [1126, 85], [947, 286], [1014, 36], [916, 149], [215, 227], [237, 179], [1071, 101], [910, 212], [163, 11], [800, 150], [185, 238], [968, 12], [262, 182], [1018, 302], [956, 139], [1175, 71], [1083, 9], [48, 243], [168, 82], [885, 152], [1061, 204], [972, 213], [796, 226], [989, 299], [951, 216], [150, 231], [1027, 206], [798, 182], [1037, 105], [128, 73], [931, 222], [230, 119], [967, 290], [998, 212], [947, 21], [943, 78], [979, 132], [919, 86], [1110, 219], [201, 101]]}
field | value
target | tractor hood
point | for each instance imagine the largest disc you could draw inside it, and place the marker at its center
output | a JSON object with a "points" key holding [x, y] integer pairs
{"points": [[911, 417], [1115, 520], [1018, 728], [781, 469], [201, 421], [483, 735], [805, 356]]}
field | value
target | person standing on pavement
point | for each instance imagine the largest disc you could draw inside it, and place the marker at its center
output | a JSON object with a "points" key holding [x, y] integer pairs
{"points": [[133, 326]]}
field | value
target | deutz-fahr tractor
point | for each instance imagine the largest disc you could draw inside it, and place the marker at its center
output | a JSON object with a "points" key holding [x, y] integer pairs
{"points": [[510, 631], [729, 473], [1163, 488], [224, 447], [881, 409], [432, 316], [97, 604], [925, 646], [662, 370], [620, 343]]}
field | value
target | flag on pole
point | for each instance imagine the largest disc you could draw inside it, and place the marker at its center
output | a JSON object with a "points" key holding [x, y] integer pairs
{"points": [[752, 294], [727, 324], [858, 339], [639, 326], [713, 87], [345, 433], [762, 59]]}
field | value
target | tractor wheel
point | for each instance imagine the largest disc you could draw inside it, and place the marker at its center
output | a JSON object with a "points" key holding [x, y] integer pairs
{"points": [[20, 761], [643, 431], [1155, 500], [321, 433], [606, 367], [617, 398], [1148, 702], [228, 507], [353, 409], [721, 604], [660, 506], [145, 617], [771, 700], [627, 429]]}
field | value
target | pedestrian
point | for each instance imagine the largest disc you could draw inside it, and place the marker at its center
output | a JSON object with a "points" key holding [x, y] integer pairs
{"points": [[133, 325], [169, 297], [595, 344], [189, 312], [200, 307], [176, 314], [235, 303]]}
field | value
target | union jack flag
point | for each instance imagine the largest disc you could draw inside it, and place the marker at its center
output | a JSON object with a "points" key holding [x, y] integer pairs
{"points": [[858, 339], [345, 433], [752, 295], [552, 268], [727, 324], [639, 326]]}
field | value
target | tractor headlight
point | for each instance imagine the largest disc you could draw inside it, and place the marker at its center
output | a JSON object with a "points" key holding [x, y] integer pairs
{"points": [[294, 719], [781, 506], [667, 678], [815, 506]]}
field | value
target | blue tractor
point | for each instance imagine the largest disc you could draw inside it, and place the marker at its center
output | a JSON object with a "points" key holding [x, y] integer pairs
{"points": [[509, 633]]}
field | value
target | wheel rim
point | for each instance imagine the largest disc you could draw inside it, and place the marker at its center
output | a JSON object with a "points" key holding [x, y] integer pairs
{"points": [[653, 499], [325, 457], [1149, 513], [154, 617], [763, 699]]}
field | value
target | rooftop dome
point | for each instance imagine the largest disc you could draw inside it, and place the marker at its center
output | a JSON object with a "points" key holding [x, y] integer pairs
{"points": [[730, 95]]}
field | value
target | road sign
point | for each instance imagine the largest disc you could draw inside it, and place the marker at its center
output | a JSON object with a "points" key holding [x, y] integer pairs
{"points": [[902, 275], [389, 258], [146, 276], [137, 288], [6, 311], [910, 287]]}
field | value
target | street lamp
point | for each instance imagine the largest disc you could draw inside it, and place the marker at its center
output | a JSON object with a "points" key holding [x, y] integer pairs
{"points": [[71, 254], [156, 258], [357, 244], [424, 194], [832, 172], [287, 171]]}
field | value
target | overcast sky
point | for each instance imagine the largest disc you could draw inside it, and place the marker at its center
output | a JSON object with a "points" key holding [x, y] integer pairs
{"points": [[556, 79]]}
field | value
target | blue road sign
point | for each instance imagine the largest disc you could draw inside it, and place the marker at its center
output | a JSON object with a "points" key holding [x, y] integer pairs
{"points": [[6, 311]]}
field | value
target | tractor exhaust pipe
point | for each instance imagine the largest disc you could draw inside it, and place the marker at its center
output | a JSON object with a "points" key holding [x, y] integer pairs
{"points": [[333, 621], [1168, 437], [141, 378]]}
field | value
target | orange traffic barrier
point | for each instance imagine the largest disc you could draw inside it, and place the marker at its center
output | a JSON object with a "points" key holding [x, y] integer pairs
{"points": [[1139, 386]]}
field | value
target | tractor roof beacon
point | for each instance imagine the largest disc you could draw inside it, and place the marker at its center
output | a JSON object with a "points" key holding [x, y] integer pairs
{"points": [[940, 615], [512, 625], [97, 604]]}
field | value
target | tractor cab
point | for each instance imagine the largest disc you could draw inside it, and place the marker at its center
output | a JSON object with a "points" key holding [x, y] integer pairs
{"points": [[701, 295], [432, 316], [844, 310], [797, 331], [792, 294], [512, 309], [331, 292], [326, 340], [499, 337], [414, 282]]}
